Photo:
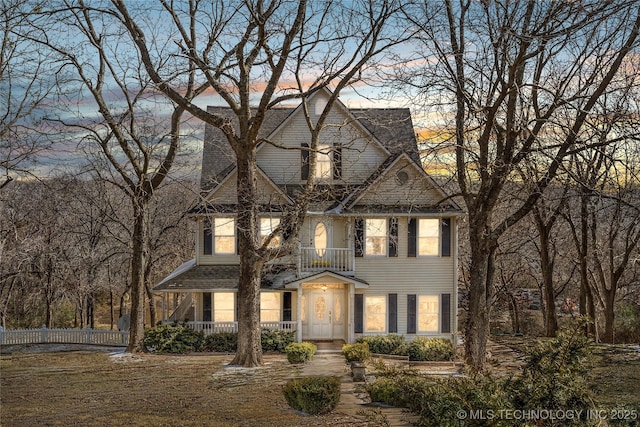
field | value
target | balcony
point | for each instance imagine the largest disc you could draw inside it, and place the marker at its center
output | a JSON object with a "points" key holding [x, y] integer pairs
{"points": [[340, 260]]}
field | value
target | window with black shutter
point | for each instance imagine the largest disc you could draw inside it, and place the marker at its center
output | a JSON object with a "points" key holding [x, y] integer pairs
{"points": [[393, 237], [446, 236], [393, 313], [412, 237], [304, 152], [411, 314], [208, 237], [445, 313], [358, 321], [286, 307], [337, 161], [358, 235]]}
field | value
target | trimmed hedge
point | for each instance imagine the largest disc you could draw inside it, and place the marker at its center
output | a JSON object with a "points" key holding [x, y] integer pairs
{"points": [[358, 352], [300, 352], [173, 338], [177, 338], [385, 344], [430, 349], [313, 395]]}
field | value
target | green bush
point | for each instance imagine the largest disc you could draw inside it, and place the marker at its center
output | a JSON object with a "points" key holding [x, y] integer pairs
{"points": [[221, 342], [172, 338], [313, 395], [430, 349], [275, 340], [300, 352], [358, 352], [627, 324], [385, 344]]}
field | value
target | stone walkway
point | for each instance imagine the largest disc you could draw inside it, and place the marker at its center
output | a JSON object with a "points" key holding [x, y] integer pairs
{"points": [[354, 399]]}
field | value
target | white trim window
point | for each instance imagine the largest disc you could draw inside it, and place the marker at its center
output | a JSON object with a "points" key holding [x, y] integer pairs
{"points": [[429, 236], [428, 314], [375, 313], [375, 236], [224, 235], [270, 303], [323, 162], [267, 225], [224, 307]]}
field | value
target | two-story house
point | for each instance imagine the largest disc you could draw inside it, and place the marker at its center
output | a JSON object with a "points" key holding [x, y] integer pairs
{"points": [[378, 249]]}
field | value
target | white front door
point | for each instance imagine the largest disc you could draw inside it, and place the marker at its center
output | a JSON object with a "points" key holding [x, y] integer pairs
{"points": [[325, 314]]}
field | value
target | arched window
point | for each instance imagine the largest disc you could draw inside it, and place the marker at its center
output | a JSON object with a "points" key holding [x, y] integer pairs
{"points": [[320, 239]]}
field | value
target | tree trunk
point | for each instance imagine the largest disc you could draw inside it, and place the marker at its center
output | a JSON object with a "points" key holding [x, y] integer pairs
{"points": [[152, 306], [609, 313], [138, 293], [480, 295], [548, 293], [249, 351]]}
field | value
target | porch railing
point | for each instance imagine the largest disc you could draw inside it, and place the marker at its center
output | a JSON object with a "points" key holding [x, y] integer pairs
{"points": [[333, 259], [209, 328]]}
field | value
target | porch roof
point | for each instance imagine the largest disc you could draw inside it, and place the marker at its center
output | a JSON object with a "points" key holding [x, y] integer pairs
{"points": [[191, 277], [359, 283]]}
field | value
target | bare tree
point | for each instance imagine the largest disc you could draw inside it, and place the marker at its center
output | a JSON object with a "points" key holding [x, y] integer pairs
{"points": [[138, 148], [513, 81], [257, 55]]}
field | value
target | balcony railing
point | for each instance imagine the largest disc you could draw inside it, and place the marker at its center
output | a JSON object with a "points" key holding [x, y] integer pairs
{"points": [[209, 328], [333, 259]]}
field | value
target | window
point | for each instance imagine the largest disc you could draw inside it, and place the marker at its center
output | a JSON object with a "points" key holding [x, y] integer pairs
{"points": [[428, 236], [269, 307], [223, 307], [323, 161], [375, 308], [219, 236], [267, 225], [320, 239], [376, 236], [428, 313]]}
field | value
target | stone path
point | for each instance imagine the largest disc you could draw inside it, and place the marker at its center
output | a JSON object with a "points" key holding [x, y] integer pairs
{"points": [[354, 399]]}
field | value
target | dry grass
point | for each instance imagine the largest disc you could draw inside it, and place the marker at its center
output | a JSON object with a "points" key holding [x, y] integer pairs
{"points": [[99, 389]]}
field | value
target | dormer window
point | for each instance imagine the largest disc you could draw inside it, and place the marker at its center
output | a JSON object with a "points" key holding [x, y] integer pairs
{"points": [[267, 225], [328, 161]]}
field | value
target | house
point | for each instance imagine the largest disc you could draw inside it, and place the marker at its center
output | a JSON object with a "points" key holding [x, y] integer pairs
{"points": [[378, 249]]}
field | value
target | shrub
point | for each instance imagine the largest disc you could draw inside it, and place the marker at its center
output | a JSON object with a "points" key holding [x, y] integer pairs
{"points": [[275, 340], [300, 352], [554, 374], [221, 342], [358, 352], [384, 344], [172, 338], [313, 395], [430, 349]]}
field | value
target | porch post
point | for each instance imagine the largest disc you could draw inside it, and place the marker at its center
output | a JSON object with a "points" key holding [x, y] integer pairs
{"points": [[299, 309], [164, 296]]}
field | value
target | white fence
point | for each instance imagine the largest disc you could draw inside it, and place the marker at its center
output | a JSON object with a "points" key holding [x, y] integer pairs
{"points": [[64, 336]]}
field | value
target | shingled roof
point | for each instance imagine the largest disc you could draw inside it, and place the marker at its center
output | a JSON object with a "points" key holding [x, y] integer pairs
{"points": [[392, 127]]}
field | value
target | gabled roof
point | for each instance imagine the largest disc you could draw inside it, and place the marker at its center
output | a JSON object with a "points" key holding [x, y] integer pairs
{"points": [[392, 127]]}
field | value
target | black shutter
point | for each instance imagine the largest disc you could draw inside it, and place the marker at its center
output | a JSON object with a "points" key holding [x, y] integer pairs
{"points": [[286, 307], [359, 314], [411, 314], [359, 237], [337, 161], [413, 237], [393, 313], [206, 307], [393, 237], [208, 237], [304, 171], [445, 228], [445, 314]]}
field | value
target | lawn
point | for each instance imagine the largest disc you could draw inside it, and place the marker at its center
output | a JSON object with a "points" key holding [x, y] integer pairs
{"points": [[89, 388]]}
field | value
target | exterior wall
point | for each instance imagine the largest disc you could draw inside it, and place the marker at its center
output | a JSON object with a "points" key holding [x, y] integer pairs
{"points": [[198, 299], [360, 156], [389, 190], [227, 192], [403, 275]]}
